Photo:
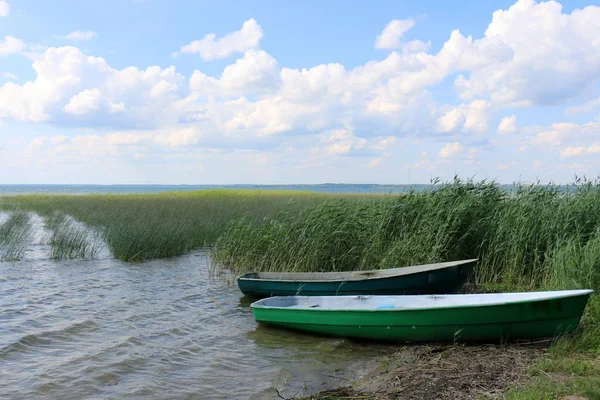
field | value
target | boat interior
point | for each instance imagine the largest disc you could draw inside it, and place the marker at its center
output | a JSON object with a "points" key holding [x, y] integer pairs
{"points": [[411, 302]]}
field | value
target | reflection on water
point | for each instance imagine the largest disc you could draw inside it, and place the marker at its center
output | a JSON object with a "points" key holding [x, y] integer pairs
{"points": [[161, 329]]}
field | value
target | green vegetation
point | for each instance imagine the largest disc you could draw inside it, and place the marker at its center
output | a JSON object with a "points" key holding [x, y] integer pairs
{"points": [[15, 235], [70, 239], [531, 237], [143, 227]]}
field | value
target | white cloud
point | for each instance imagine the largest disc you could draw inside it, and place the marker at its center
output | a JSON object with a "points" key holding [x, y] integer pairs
{"points": [[502, 167], [539, 44], [11, 45], [451, 150], [472, 117], [392, 37], [71, 85], [594, 149], [10, 76], [572, 152], [91, 100], [179, 138], [255, 72], [377, 161], [85, 102], [578, 151], [508, 125], [4, 8], [342, 142], [584, 108], [78, 36], [384, 143], [561, 132], [211, 48], [392, 34]]}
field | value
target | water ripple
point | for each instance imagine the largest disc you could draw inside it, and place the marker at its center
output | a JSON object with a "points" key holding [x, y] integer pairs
{"points": [[103, 329]]}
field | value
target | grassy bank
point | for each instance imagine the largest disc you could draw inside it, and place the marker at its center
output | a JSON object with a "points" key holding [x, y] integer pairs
{"points": [[149, 226]]}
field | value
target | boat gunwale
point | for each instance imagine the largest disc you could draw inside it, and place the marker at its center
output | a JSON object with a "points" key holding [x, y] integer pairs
{"points": [[572, 293], [394, 272]]}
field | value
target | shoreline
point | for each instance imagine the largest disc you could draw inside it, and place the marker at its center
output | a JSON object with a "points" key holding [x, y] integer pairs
{"points": [[444, 372]]}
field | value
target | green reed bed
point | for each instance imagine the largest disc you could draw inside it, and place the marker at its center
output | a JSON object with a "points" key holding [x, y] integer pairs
{"points": [[141, 227], [529, 236], [70, 239], [15, 235], [447, 223]]}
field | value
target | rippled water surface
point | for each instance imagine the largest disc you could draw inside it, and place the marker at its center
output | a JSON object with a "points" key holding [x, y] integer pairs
{"points": [[162, 329]]}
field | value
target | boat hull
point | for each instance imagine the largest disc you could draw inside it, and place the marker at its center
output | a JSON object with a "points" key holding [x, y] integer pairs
{"points": [[524, 320], [441, 281]]}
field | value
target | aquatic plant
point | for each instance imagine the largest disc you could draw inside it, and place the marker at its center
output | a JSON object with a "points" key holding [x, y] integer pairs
{"points": [[15, 235], [531, 236], [70, 239], [141, 227]]}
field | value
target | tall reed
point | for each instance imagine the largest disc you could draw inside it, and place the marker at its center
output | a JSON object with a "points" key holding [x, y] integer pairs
{"points": [[15, 235], [142, 227], [529, 236], [70, 239]]}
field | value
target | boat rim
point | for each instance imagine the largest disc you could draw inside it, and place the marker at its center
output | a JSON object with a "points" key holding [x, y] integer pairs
{"points": [[560, 294], [392, 272]]}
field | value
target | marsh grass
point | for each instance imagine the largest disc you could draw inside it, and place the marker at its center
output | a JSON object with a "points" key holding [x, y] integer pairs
{"points": [[150, 226], [15, 235], [448, 223], [70, 239], [529, 237]]}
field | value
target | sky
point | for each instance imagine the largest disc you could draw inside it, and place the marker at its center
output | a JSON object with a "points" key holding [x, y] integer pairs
{"points": [[271, 92]]}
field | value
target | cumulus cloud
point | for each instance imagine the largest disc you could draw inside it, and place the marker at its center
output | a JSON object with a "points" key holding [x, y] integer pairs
{"points": [[572, 151], [256, 72], [562, 132], [11, 45], [78, 36], [212, 48], [472, 117], [392, 34], [528, 46], [508, 125], [451, 150], [4, 8], [73, 87]]}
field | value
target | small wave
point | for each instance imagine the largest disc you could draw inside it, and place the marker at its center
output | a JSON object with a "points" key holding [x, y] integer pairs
{"points": [[44, 338]]}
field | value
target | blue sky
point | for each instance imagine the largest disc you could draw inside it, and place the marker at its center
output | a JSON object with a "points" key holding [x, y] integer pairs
{"points": [[156, 91]]}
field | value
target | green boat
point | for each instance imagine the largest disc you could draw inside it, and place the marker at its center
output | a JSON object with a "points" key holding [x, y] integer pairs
{"points": [[448, 318], [438, 278]]}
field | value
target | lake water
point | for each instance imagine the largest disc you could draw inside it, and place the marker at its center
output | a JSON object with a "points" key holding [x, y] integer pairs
{"points": [[163, 329]]}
